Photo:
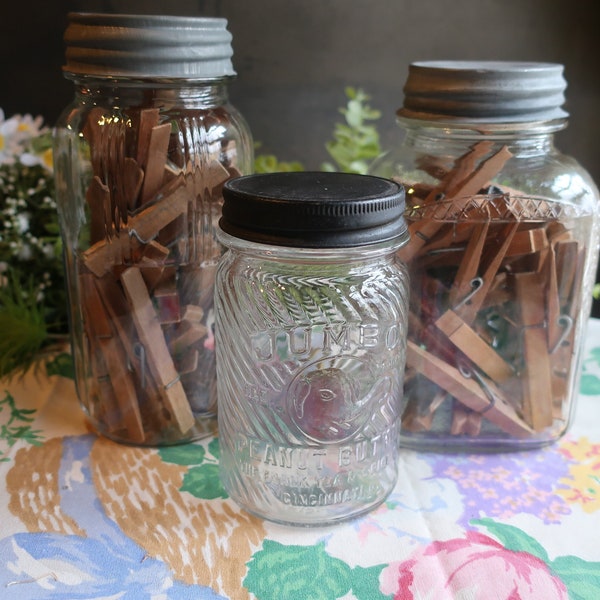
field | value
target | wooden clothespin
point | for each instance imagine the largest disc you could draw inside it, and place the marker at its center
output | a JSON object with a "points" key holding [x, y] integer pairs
{"points": [[148, 120], [156, 160], [146, 223], [189, 331], [117, 307], [133, 178], [470, 343], [418, 415], [537, 389], [465, 421], [115, 358], [564, 273], [490, 263], [469, 265], [98, 198], [158, 357], [466, 390]]}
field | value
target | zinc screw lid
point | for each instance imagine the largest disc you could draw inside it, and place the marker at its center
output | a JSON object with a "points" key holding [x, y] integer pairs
{"points": [[491, 91], [147, 46]]}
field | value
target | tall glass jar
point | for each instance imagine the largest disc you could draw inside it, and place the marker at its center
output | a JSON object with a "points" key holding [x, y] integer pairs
{"points": [[503, 253], [141, 156], [311, 305]]}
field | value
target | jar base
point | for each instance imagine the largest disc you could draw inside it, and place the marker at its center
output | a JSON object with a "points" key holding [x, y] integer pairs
{"points": [[308, 520], [203, 428], [446, 446]]}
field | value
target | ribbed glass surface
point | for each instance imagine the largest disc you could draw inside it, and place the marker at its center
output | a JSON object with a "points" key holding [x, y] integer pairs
{"points": [[309, 359]]}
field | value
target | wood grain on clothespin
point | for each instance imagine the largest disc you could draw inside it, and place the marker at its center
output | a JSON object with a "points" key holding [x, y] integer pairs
{"points": [[157, 352], [119, 311], [528, 241], [479, 352], [459, 187], [537, 376], [468, 269], [115, 359], [146, 223], [465, 421], [98, 199], [463, 168], [155, 162], [92, 133], [467, 391], [418, 416], [490, 263], [481, 176], [152, 263], [148, 119], [133, 178]]}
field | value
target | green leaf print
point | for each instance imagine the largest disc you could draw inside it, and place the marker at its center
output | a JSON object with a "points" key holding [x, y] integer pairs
{"points": [[595, 355], [300, 572], [186, 454], [581, 578], [365, 583], [297, 573], [202, 478], [214, 449], [513, 538], [590, 384], [204, 482], [11, 432]]}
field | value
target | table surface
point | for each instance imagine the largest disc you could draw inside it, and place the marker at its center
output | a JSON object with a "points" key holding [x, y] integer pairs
{"points": [[83, 517]]}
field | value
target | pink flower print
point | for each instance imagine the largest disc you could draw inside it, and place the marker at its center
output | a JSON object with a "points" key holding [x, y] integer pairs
{"points": [[464, 568]]}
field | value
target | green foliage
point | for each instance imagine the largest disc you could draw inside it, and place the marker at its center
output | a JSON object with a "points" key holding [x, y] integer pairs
{"points": [[582, 578], [513, 538], [268, 163], [33, 305], [355, 143], [299, 572], [202, 478], [203, 482], [23, 327], [596, 291], [185, 454], [11, 432]]}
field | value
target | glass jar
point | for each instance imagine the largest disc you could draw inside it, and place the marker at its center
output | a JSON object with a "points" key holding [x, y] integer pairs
{"points": [[503, 253], [141, 156], [311, 305]]}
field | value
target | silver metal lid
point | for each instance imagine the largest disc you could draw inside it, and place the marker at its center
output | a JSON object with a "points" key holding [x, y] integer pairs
{"points": [[147, 46], [490, 91]]}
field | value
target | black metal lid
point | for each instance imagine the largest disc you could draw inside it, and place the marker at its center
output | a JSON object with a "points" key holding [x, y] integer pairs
{"points": [[313, 209]]}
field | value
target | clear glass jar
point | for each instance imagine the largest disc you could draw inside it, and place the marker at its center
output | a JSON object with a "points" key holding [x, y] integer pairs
{"points": [[311, 305], [503, 254], [141, 156]]}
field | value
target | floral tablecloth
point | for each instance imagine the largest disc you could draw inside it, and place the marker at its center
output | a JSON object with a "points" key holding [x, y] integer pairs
{"points": [[83, 517]]}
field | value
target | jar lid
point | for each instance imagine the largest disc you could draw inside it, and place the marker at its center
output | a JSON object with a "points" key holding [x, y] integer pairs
{"points": [[490, 91], [147, 46], [313, 209]]}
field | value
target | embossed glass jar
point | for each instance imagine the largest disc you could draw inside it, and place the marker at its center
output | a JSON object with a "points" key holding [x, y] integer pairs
{"points": [[141, 156], [502, 258], [311, 314]]}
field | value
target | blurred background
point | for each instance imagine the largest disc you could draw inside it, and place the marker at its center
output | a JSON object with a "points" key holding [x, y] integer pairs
{"points": [[294, 59]]}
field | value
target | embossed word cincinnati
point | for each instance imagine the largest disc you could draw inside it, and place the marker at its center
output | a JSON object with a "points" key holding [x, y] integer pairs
{"points": [[301, 341]]}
